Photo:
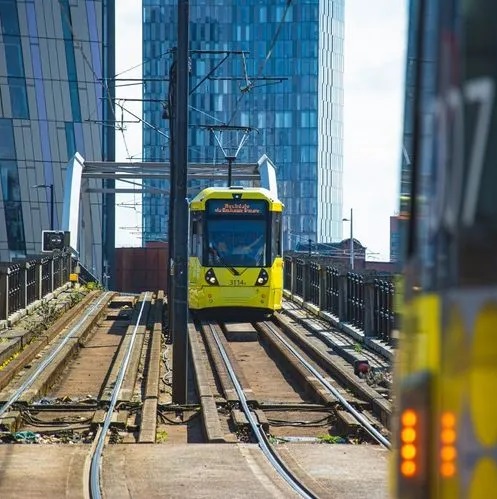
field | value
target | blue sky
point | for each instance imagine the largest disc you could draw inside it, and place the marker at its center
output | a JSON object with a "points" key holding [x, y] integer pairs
{"points": [[375, 47]]}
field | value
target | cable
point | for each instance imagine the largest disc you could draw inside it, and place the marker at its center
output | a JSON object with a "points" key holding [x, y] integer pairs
{"points": [[168, 52], [105, 86], [165, 419], [263, 64]]}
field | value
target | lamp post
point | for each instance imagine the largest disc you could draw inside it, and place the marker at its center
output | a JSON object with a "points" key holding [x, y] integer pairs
{"points": [[49, 186], [351, 220]]}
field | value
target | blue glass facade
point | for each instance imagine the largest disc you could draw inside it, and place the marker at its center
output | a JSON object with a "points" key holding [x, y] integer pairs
{"points": [[51, 99], [285, 80]]}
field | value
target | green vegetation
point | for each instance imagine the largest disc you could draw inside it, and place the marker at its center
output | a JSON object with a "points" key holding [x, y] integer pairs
{"points": [[92, 286], [10, 359], [75, 297], [161, 436], [48, 313], [331, 439]]}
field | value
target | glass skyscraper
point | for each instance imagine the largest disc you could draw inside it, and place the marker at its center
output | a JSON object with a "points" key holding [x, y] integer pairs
{"points": [[271, 65], [53, 62]]}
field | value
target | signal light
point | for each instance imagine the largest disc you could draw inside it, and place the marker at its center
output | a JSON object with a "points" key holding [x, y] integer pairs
{"points": [[409, 440], [408, 468], [408, 452], [448, 451], [409, 418]]}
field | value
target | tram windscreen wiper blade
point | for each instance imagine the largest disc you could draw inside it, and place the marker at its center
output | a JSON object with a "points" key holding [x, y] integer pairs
{"points": [[222, 262]]}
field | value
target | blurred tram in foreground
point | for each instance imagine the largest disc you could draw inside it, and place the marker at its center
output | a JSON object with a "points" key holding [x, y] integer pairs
{"points": [[235, 267], [446, 429]]}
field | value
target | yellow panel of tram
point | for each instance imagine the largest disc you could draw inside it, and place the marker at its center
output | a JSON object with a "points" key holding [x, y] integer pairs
{"points": [[420, 335], [484, 480], [483, 375], [454, 377]]}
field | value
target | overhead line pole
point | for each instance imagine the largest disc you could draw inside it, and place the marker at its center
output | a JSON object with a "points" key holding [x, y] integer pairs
{"points": [[171, 103], [180, 225], [108, 153]]}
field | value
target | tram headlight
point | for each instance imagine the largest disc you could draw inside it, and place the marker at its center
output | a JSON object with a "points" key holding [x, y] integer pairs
{"points": [[210, 278], [262, 278]]}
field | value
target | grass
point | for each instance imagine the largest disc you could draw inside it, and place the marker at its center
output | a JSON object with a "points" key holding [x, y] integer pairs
{"points": [[161, 436], [331, 439], [357, 347]]}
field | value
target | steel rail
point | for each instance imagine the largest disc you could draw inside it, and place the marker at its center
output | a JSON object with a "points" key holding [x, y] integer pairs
{"points": [[357, 415], [262, 439], [15, 396], [97, 454]]}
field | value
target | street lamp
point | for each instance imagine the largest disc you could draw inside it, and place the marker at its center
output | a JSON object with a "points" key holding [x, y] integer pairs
{"points": [[351, 220], [49, 186]]}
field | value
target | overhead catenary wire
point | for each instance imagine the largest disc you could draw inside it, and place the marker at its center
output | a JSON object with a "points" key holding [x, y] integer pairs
{"points": [[264, 62], [100, 81]]}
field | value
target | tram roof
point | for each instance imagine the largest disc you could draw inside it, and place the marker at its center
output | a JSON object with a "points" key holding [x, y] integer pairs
{"points": [[236, 192]]}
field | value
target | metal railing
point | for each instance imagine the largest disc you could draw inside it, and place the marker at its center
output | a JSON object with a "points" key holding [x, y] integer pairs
{"points": [[23, 283], [361, 299]]}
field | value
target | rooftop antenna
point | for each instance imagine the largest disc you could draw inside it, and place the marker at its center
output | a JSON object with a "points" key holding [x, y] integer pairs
{"points": [[230, 148]]}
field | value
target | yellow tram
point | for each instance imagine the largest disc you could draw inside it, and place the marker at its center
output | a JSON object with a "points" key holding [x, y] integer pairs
{"points": [[446, 426], [235, 268]]}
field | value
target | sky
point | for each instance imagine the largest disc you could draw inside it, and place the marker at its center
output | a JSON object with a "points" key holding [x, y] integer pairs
{"points": [[374, 74]]}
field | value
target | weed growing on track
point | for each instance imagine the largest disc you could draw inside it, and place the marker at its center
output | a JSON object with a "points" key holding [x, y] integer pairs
{"points": [[331, 439], [161, 436]]}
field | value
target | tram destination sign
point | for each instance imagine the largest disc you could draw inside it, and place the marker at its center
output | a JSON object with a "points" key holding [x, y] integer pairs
{"points": [[236, 207]]}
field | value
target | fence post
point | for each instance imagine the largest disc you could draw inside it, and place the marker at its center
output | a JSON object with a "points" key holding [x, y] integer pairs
{"points": [[4, 294], [306, 274], [294, 275], [25, 269], [52, 268], [39, 280], [287, 274], [322, 288], [342, 298], [369, 310], [7, 294]]}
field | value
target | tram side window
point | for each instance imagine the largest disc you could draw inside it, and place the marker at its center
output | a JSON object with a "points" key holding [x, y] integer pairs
{"points": [[196, 234], [276, 248]]}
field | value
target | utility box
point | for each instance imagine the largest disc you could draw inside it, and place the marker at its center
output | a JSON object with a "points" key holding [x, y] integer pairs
{"points": [[54, 240]]}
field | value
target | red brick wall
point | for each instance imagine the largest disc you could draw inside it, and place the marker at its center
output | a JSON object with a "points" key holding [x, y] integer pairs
{"points": [[142, 269]]}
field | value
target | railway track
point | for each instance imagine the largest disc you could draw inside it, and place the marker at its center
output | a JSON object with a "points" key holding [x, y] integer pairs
{"points": [[276, 385], [283, 372], [80, 385], [100, 376]]}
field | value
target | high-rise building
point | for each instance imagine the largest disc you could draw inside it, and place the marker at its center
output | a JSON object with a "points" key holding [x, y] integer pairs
{"points": [[276, 66], [395, 222], [53, 103]]}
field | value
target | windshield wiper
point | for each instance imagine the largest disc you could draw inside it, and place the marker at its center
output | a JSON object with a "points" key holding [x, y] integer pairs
{"points": [[217, 255]]}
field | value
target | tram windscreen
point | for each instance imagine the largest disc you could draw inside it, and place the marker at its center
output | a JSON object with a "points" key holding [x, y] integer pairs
{"points": [[237, 241]]}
